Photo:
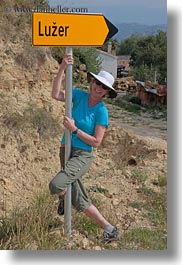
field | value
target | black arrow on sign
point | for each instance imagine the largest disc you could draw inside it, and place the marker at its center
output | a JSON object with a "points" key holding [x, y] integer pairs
{"points": [[112, 30]]}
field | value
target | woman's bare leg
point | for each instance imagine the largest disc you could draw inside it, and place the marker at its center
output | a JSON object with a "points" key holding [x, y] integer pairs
{"points": [[93, 213]]}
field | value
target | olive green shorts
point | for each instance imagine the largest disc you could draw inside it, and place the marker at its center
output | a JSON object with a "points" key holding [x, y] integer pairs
{"points": [[71, 173]]}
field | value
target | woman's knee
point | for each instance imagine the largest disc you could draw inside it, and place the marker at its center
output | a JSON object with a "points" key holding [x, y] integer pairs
{"points": [[57, 184], [53, 187]]}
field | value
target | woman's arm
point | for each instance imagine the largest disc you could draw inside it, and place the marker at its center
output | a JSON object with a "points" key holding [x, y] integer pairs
{"points": [[94, 140], [57, 92]]}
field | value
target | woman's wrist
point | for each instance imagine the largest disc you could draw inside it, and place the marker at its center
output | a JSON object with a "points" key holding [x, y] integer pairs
{"points": [[62, 68], [75, 131]]}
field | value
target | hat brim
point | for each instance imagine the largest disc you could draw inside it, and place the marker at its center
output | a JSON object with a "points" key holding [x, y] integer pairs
{"points": [[112, 91]]}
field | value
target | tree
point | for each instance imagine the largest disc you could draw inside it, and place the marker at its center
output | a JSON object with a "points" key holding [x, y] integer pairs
{"points": [[148, 56], [114, 42], [87, 56], [128, 46]]}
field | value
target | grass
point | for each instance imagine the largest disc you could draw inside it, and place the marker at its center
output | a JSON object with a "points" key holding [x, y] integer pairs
{"points": [[154, 202], [155, 205], [29, 57], [34, 227], [136, 204], [161, 181], [85, 225], [157, 209], [33, 117], [139, 176], [143, 239], [37, 227], [29, 228], [127, 103], [99, 189]]}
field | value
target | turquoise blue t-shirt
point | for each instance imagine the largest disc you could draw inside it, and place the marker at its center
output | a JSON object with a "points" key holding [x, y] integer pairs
{"points": [[86, 118]]}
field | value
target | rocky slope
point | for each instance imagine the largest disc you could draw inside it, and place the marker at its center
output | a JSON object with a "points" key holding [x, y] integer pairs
{"points": [[26, 110], [30, 130]]}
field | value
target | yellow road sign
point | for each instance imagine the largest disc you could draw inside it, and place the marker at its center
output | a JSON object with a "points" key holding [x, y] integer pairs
{"points": [[68, 29]]}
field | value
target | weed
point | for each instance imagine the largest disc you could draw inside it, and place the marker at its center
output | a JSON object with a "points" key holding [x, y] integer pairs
{"points": [[161, 181], [157, 209], [155, 205], [33, 117], [30, 226], [83, 223], [132, 104], [119, 165], [99, 189], [144, 238], [43, 121], [146, 191], [139, 176], [30, 58], [136, 205]]}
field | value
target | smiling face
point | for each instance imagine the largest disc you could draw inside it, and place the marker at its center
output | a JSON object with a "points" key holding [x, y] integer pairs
{"points": [[98, 91]]}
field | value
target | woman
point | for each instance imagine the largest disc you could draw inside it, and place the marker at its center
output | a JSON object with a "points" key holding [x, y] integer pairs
{"points": [[88, 125]]}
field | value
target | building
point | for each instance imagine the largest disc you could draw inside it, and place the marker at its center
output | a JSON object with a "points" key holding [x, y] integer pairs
{"points": [[123, 65], [108, 62], [151, 94]]}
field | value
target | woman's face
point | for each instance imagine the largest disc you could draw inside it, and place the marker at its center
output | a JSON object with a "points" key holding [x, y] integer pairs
{"points": [[98, 90]]}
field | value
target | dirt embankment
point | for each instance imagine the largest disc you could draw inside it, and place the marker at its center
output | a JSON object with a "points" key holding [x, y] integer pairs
{"points": [[29, 145]]}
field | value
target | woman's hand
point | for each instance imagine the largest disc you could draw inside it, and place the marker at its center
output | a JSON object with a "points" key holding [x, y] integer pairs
{"points": [[67, 59], [69, 124], [57, 92]]}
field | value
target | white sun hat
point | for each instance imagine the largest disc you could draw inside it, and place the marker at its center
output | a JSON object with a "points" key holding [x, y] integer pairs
{"points": [[106, 79]]}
